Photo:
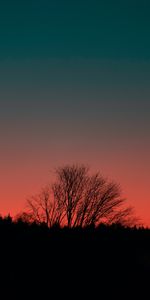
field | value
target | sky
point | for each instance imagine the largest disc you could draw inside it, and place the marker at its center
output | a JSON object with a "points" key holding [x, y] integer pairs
{"points": [[74, 88]]}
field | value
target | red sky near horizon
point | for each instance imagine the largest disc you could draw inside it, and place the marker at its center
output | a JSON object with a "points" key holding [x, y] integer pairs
{"points": [[25, 174]]}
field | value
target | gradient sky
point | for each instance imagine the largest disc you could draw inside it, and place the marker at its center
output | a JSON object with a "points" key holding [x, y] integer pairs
{"points": [[74, 87]]}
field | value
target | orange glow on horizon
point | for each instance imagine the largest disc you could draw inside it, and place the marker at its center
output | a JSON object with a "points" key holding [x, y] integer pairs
{"points": [[28, 180]]}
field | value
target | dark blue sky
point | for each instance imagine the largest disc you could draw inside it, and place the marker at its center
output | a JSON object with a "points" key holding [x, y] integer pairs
{"points": [[74, 87]]}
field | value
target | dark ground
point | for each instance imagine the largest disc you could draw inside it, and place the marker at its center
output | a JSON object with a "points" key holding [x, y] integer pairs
{"points": [[107, 262]]}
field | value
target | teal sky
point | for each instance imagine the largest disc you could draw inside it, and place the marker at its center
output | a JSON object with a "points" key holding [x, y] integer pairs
{"points": [[74, 87], [70, 29]]}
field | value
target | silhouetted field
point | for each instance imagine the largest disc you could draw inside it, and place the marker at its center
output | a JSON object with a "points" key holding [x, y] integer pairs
{"points": [[73, 263]]}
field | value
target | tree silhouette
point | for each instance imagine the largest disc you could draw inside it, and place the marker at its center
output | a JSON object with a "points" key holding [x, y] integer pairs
{"points": [[42, 208], [77, 198]]}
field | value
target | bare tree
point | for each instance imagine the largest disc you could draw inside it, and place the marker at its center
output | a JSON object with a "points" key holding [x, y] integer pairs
{"points": [[88, 199], [42, 208], [69, 190], [125, 217], [77, 198]]}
